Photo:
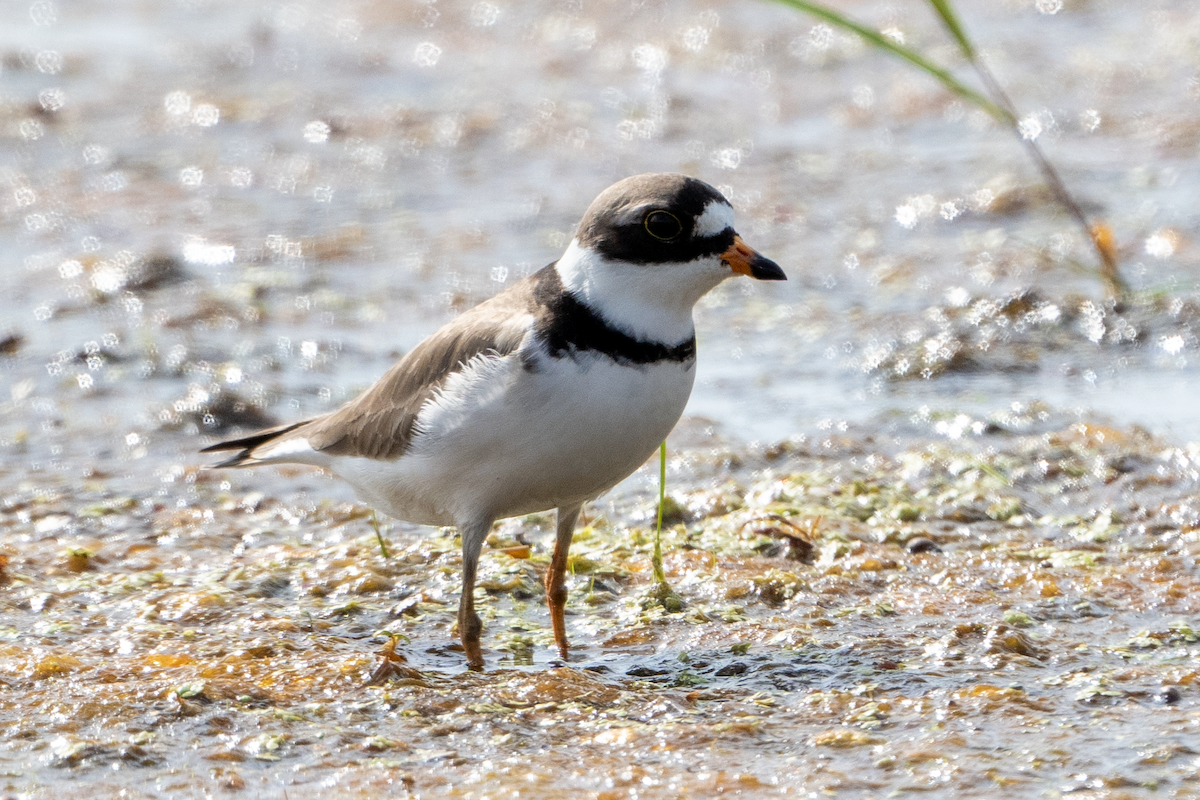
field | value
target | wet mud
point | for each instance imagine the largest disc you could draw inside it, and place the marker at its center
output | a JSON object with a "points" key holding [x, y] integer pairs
{"points": [[932, 518]]}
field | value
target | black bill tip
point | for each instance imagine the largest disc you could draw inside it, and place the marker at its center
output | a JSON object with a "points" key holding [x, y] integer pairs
{"points": [[764, 269]]}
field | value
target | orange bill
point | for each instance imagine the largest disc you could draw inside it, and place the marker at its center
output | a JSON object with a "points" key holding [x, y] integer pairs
{"points": [[745, 260]]}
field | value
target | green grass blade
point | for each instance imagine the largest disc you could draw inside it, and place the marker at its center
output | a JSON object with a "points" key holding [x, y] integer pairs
{"points": [[663, 594], [882, 42], [657, 561], [383, 548], [999, 107], [946, 11]]}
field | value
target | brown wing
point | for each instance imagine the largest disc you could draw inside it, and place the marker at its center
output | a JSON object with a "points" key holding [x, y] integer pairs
{"points": [[379, 422]]}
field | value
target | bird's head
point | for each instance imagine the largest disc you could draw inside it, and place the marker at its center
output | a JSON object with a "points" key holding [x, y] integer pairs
{"points": [[652, 245]]}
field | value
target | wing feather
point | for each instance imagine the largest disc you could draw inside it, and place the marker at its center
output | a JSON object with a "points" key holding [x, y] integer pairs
{"points": [[380, 422]]}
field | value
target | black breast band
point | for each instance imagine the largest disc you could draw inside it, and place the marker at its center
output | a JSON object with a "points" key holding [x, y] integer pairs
{"points": [[570, 329]]}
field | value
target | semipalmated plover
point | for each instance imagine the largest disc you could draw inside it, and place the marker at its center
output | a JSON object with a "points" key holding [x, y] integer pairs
{"points": [[546, 395]]}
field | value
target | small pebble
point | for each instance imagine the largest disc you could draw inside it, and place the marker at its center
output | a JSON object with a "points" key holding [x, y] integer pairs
{"points": [[642, 671], [11, 343], [1169, 695], [922, 545]]}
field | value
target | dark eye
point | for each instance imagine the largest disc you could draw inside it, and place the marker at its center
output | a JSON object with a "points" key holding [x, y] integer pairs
{"points": [[663, 225]]}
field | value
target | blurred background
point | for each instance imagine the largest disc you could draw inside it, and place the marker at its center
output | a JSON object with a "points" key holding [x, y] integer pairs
{"points": [[219, 214]]}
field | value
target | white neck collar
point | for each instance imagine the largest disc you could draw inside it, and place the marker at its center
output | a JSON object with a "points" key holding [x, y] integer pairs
{"points": [[651, 302]]}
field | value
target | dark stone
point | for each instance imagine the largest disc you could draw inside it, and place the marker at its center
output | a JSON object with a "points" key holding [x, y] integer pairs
{"points": [[642, 671], [1169, 695], [736, 668], [11, 343], [920, 544]]}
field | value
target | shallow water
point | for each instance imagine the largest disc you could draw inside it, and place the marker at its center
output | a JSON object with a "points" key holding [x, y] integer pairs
{"points": [[217, 214], [315, 178]]}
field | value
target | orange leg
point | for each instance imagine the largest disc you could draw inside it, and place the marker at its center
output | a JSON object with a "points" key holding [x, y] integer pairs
{"points": [[556, 589], [469, 625]]}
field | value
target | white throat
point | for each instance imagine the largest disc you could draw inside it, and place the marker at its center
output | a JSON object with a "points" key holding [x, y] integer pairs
{"points": [[651, 302]]}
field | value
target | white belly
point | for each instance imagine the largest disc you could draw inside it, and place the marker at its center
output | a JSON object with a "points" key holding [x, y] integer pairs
{"points": [[503, 441]]}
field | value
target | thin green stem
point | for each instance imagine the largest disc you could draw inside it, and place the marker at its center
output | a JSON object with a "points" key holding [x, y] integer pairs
{"points": [[908, 54], [657, 561], [379, 535], [945, 10], [663, 594], [1109, 271], [998, 106]]}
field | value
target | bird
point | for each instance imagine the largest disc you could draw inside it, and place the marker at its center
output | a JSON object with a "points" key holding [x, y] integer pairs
{"points": [[544, 396]]}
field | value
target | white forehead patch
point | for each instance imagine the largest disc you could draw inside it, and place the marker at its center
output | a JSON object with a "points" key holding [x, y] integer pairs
{"points": [[716, 218]]}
